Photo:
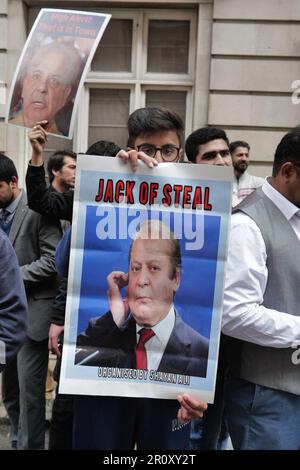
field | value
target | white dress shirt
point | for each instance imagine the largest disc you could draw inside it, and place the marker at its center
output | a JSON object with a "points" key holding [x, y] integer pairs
{"points": [[246, 277], [156, 345]]}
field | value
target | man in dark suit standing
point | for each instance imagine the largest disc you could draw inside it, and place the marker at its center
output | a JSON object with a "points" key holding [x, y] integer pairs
{"points": [[34, 239], [144, 331]]}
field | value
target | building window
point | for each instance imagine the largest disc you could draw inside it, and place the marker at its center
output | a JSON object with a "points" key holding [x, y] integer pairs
{"points": [[114, 55], [168, 46], [175, 100], [145, 58], [108, 114]]}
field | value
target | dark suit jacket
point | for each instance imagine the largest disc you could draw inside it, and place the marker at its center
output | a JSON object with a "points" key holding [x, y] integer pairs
{"points": [[46, 202], [34, 238], [104, 344], [13, 305]]}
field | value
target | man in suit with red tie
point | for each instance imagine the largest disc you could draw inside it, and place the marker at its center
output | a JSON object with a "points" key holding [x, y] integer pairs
{"points": [[144, 331]]}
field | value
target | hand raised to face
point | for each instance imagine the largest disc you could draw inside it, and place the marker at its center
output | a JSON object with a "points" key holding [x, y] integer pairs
{"points": [[118, 307]]}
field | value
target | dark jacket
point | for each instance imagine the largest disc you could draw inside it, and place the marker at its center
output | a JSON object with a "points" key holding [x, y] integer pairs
{"points": [[34, 238], [186, 352], [45, 201]]}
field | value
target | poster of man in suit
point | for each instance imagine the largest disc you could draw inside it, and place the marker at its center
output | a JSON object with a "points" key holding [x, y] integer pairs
{"points": [[146, 280], [144, 331]]}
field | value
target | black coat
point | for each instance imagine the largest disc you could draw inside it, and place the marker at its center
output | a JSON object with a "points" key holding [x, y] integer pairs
{"points": [[104, 344], [45, 201]]}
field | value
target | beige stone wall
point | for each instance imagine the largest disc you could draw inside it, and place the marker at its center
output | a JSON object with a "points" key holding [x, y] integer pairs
{"points": [[247, 57], [283, 10], [255, 59], [203, 61]]}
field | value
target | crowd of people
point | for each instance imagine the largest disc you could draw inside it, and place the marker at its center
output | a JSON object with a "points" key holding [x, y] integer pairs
{"points": [[257, 398]]}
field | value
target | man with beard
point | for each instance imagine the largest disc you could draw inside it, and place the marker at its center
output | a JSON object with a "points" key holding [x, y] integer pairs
{"points": [[261, 315], [34, 238], [244, 183]]}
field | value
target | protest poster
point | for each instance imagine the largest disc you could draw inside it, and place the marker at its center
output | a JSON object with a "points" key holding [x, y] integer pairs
{"points": [[171, 282], [52, 69]]}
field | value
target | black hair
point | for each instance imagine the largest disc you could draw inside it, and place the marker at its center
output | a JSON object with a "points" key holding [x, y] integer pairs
{"points": [[104, 148], [56, 161], [238, 143], [7, 169], [149, 120], [288, 150], [200, 137]]}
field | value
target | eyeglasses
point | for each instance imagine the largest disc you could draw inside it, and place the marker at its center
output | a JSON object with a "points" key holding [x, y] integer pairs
{"points": [[214, 153], [169, 153]]}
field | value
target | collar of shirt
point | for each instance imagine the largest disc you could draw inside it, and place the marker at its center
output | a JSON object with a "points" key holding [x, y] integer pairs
{"points": [[12, 207], [163, 329], [287, 208]]}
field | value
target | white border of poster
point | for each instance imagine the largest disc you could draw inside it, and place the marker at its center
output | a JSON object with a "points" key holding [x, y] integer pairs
{"points": [[100, 244], [70, 28]]}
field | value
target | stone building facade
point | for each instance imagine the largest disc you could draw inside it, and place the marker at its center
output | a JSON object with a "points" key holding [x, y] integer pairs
{"points": [[226, 63]]}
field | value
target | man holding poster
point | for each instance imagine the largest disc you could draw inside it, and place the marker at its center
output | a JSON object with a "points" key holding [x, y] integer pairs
{"points": [[144, 331], [131, 416]]}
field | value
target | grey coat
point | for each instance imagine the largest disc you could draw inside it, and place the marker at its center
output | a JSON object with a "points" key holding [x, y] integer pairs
{"points": [[34, 238]]}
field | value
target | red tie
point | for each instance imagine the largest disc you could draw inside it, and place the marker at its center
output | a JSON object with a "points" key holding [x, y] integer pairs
{"points": [[140, 351]]}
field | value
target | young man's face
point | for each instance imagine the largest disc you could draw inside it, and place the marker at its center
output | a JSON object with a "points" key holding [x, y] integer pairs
{"points": [[214, 152], [150, 287], [66, 175], [167, 139]]}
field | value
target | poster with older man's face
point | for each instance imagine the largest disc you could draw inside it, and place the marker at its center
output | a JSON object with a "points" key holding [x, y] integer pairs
{"points": [[52, 69]]}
